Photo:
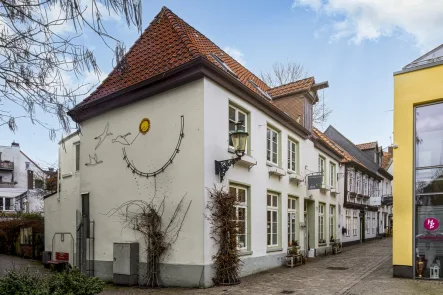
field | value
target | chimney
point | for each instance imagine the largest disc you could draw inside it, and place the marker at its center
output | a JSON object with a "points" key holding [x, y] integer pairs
{"points": [[391, 150], [51, 169], [16, 144]]}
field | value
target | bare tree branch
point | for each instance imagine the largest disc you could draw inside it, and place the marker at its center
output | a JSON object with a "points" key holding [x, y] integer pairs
{"points": [[291, 71], [40, 51]]}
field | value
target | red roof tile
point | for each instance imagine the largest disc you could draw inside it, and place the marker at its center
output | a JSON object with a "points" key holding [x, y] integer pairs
{"points": [[367, 146], [167, 43], [293, 87], [386, 160]]}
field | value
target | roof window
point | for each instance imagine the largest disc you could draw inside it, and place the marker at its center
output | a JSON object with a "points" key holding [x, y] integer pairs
{"points": [[265, 94], [223, 64]]}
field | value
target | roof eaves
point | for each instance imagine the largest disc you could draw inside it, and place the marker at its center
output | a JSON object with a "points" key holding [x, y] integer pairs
{"points": [[35, 164]]}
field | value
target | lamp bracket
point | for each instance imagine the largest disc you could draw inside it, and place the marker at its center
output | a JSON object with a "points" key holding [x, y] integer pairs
{"points": [[221, 167]]}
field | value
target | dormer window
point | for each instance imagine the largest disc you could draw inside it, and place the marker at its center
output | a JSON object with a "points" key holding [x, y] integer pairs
{"points": [[265, 94], [223, 64]]}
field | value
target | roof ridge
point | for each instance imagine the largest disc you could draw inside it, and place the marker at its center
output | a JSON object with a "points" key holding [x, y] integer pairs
{"points": [[172, 18], [293, 82]]}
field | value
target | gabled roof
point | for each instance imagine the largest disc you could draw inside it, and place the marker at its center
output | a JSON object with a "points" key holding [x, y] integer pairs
{"points": [[367, 146], [293, 87], [35, 164], [167, 43], [355, 152]]}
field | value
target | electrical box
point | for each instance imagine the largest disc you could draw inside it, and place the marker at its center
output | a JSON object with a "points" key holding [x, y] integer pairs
{"points": [[126, 263]]}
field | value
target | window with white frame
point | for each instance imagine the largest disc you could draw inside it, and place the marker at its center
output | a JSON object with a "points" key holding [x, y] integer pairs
{"points": [[293, 155], [332, 221], [375, 189], [321, 223], [351, 177], [332, 174], [358, 183], [373, 223], [368, 223], [371, 186], [348, 222], [292, 221], [236, 116], [365, 185], [272, 145], [308, 115], [355, 222], [272, 208], [241, 213], [77, 156], [322, 167]]}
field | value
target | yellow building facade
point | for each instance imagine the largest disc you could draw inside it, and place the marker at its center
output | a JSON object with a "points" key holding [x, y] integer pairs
{"points": [[418, 168]]}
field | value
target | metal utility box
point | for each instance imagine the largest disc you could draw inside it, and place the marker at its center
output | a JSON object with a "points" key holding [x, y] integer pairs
{"points": [[126, 263]]}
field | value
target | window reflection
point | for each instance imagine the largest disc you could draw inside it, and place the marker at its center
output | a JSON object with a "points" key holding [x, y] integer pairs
{"points": [[429, 181], [429, 135]]}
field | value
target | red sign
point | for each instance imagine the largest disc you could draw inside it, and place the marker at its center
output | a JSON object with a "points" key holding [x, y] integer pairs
{"points": [[62, 256], [431, 223]]}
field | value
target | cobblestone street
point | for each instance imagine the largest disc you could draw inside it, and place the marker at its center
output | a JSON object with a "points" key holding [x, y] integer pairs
{"points": [[360, 269]]}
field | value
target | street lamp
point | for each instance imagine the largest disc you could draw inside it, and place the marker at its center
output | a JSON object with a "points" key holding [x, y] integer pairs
{"points": [[239, 139]]}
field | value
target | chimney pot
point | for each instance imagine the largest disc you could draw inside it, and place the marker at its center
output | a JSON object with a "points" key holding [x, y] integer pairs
{"points": [[15, 144]]}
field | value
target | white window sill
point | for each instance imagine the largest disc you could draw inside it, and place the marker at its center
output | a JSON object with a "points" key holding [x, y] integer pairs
{"points": [[66, 175], [276, 171], [270, 164], [292, 172], [322, 245], [295, 177], [274, 249], [245, 253]]}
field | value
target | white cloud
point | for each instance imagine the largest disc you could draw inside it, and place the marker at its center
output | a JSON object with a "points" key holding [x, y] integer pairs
{"points": [[359, 20], [236, 54]]}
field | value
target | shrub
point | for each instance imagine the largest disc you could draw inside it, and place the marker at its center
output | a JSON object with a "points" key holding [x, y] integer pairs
{"points": [[74, 283], [26, 282], [23, 282]]}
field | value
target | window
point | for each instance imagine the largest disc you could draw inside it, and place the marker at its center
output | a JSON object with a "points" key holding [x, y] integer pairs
{"points": [[293, 155], [27, 165], [38, 183], [308, 115], [332, 174], [235, 116], [77, 156], [322, 168], [272, 219], [358, 183], [373, 223], [292, 221], [321, 223], [332, 221], [264, 93], [272, 145], [241, 213], [368, 223], [371, 186], [348, 222], [351, 181], [365, 185], [355, 222]]}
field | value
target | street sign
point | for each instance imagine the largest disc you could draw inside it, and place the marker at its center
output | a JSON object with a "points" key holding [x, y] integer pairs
{"points": [[315, 181]]}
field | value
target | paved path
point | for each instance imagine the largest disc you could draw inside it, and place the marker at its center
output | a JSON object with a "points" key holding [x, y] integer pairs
{"points": [[12, 262], [364, 269]]}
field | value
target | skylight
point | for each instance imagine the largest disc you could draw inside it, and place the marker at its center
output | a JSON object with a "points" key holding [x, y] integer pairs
{"points": [[265, 94], [223, 64]]}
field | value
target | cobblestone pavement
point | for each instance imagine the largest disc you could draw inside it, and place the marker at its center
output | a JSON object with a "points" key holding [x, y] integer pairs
{"points": [[363, 269], [12, 262]]}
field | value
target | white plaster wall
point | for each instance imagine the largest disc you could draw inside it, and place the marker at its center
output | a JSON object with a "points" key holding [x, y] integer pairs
{"points": [[216, 148], [61, 210], [111, 183]]}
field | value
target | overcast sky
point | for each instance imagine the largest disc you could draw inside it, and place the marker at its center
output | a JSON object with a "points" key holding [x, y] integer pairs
{"points": [[356, 45]]}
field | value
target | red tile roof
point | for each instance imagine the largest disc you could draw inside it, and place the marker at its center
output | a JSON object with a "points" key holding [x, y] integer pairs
{"points": [[386, 160], [166, 44], [367, 146], [293, 87]]}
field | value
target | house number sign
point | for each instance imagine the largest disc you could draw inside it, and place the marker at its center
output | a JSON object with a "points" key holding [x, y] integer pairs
{"points": [[431, 224]]}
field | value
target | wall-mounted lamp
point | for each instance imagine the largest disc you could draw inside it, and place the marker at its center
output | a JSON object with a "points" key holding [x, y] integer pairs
{"points": [[395, 146], [239, 139]]}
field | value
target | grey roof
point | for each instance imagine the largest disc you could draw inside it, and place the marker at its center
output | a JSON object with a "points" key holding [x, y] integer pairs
{"points": [[352, 149]]}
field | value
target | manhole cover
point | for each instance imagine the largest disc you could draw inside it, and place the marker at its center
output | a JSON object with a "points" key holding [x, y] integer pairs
{"points": [[287, 292], [336, 268]]}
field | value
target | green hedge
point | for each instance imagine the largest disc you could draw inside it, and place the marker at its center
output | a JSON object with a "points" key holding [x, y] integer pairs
{"points": [[26, 282]]}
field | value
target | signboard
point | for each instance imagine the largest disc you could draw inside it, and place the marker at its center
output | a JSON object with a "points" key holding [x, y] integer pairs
{"points": [[375, 201], [431, 223], [315, 181], [62, 256]]}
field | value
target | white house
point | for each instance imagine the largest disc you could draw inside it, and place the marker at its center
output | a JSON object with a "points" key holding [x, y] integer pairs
{"points": [[22, 181], [157, 127]]}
